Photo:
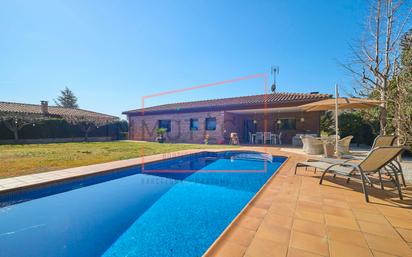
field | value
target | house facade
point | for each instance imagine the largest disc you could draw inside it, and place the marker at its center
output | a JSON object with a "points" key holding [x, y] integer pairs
{"points": [[191, 122]]}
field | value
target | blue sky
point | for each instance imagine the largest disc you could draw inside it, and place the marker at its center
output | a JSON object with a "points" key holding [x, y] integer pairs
{"points": [[111, 53]]}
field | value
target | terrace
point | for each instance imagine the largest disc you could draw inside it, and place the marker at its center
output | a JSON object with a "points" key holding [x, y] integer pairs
{"points": [[292, 215]]}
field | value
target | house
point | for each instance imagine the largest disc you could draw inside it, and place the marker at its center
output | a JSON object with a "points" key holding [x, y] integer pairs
{"points": [[43, 109], [41, 121], [189, 122]]}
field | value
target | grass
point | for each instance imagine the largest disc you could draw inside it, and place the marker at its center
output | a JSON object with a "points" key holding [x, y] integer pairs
{"points": [[18, 160]]}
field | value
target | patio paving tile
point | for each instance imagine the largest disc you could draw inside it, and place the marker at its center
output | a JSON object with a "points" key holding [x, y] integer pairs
{"points": [[381, 254], [337, 211], [378, 229], [336, 203], [256, 212], [266, 248], [342, 222], [274, 233], [278, 220], [310, 243], [346, 236], [240, 236], [401, 222], [250, 223], [229, 249], [388, 245], [406, 234], [309, 215], [370, 217], [309, 227], [341, 249], [293, 252], [282, 209]]}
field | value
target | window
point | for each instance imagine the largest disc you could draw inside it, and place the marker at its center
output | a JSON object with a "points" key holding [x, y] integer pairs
{"points": [[210, 124], [165, 124], [287, 124], [194, 124]]}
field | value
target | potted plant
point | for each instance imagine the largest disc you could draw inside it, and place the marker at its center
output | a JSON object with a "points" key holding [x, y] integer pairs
{"points": [[161, 135], [328, 146], [206, 139]]}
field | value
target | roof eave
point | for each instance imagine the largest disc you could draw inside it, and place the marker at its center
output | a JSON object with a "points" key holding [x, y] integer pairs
{"points": [[221, 108]]}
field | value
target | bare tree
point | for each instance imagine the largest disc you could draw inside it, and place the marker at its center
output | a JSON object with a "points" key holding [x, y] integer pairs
{"points": [[88, 123], [374, 60], [16, 121]]}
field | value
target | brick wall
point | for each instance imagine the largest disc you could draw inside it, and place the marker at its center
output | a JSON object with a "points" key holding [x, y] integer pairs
{"points": [[144, 127]]}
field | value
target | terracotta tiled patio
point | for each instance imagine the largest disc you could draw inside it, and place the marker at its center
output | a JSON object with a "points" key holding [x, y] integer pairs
{"points": [[295, 216]]}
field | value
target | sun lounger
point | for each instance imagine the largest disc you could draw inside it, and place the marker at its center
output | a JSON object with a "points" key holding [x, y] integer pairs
{"points": [[379, 158], [382, 141]]}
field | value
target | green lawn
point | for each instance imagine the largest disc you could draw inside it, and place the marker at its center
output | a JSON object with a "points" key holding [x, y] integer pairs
{"points": [[17, 160]]}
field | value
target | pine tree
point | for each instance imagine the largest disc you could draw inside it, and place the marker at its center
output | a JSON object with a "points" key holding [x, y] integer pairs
{"points": [[67, 99]]}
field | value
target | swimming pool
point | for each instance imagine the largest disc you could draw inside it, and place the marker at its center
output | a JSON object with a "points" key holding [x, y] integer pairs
{"points": [[175, 207]]}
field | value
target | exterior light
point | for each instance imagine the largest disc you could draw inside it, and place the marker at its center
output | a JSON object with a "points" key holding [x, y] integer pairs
{"points": [[254, 121], [279, 122], [302, 119]]}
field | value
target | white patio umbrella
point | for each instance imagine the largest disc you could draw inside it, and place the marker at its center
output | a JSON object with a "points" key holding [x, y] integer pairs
{"points": [[340, 103]]}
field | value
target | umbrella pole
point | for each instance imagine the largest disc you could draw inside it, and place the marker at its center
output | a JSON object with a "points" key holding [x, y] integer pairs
{"points": [[336, 119]]}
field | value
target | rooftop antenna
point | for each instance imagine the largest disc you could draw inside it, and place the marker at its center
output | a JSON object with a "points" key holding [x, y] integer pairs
{"points": [[274, 70]]}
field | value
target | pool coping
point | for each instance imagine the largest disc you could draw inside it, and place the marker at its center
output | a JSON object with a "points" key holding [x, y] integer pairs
{"points": [[39, 179], [212, 247]]}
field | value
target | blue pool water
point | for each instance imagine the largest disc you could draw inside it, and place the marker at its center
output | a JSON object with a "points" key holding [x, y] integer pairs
{"points": [[176, 207]]}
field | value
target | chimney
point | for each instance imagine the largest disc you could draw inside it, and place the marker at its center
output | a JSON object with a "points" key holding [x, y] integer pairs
{"points": [[44, 107]]}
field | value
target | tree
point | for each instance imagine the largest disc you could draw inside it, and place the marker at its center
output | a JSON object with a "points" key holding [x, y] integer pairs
{"points": [[401, 90], [89, 123], [67, 99], [327, 123], [374, 63], [16, 121]]}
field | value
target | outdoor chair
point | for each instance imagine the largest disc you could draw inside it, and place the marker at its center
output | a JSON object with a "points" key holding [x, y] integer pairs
{"points": [[379, 158], [234, 140], [296, 140], [267, 137], [380, 141], [280, 138], [384, 141], [312, 145], [259, 137], [343, 144]]}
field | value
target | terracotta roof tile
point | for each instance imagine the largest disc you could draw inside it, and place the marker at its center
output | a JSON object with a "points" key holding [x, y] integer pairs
{"points": [[52, 110], [236, 102]]}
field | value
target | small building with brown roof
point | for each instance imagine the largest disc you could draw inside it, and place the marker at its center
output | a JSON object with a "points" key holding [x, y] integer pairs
{"points": [[20, 116], [190, 122], [43, 109]]}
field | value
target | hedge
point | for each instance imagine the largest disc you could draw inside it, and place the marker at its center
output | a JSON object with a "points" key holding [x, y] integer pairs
{"points": [[62, 129]]}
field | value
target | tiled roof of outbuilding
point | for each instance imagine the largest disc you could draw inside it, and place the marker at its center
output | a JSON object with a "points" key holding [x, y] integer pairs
{"points": [[54, 111]]}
